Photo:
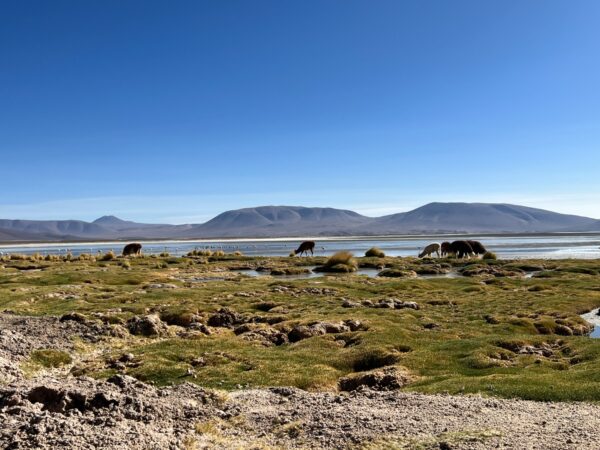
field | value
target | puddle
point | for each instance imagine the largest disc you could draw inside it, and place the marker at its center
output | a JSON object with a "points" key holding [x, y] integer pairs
{"points": [[368, 271], [593, 318]]}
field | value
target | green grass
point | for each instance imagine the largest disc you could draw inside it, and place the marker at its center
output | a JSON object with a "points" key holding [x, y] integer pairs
{"points": [[48, 358], [459, 341]]}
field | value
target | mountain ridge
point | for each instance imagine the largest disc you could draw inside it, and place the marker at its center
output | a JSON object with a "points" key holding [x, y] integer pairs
{"points": [[292, 221]]}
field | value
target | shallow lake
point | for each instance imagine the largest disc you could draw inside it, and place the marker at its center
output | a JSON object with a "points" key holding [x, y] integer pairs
{"points": [[531, 246]]}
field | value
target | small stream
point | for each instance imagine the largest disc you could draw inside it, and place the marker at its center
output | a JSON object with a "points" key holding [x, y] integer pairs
{"points": [[593, 318]]}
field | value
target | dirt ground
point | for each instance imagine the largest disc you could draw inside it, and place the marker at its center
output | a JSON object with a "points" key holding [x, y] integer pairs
{"points": [[56, 410]]}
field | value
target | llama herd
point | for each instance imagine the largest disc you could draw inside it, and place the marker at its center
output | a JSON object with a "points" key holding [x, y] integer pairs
{"points": [[460, 249]]}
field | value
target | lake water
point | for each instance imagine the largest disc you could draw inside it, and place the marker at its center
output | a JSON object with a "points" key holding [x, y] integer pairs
{"points": [[511, 247]]}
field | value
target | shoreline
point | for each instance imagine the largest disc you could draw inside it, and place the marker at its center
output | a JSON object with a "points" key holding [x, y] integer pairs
{"points": [[398, 237]]}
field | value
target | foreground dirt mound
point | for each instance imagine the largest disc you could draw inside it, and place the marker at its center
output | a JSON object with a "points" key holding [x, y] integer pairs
{"points": [[123, 413], [83, 413]]}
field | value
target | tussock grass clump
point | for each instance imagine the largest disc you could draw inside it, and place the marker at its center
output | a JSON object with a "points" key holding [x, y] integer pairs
{"points": [[164, 255], [108, 256], [343, 262], [490, 255], [125, 264], [340, 258], [197, 252], [375, 252], [86, 257], [219, 254]]}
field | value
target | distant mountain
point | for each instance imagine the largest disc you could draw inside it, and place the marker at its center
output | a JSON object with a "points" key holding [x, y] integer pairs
{"points": [[114, 223], [52, 229], [480, 218], [266, 221], [290, 221]]}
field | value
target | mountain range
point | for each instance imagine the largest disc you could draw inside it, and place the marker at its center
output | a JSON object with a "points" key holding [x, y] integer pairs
{"points": [[294, 221]]}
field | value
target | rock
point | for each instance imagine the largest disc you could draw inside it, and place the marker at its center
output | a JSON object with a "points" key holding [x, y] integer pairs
{"points": [[197, 326], [563, 330], [491, 319], [117, 331], [355, 325], [127, 357], [380, 380], [266, 336], [349, 304], [198, 362], [226, 318], [244, 328], [394, 303], [74, 317], [330, 327], [304, 332], [149, 325], [301, 332], [401, 304]]}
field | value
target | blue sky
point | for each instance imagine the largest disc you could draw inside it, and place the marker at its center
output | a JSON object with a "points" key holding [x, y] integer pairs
{"points": [[176, 111]]}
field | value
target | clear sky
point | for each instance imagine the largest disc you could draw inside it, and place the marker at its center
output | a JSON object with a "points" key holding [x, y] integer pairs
{"points": [[173, 111]]}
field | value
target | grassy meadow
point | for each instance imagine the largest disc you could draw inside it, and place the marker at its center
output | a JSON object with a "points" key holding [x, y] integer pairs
{"points": [[507, 328]]}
